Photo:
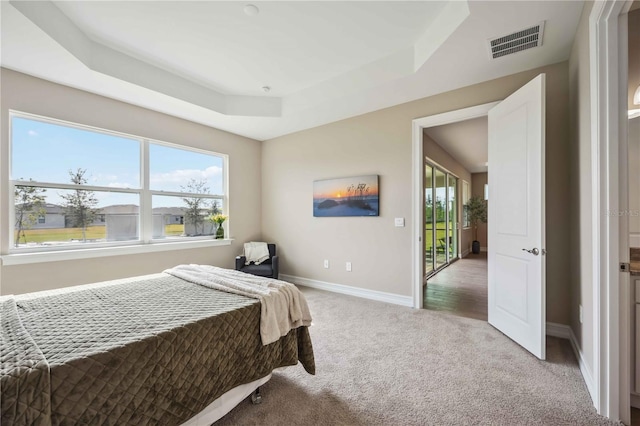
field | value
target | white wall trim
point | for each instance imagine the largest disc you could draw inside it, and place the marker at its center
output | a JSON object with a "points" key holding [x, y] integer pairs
{"points": [[465, 253], [561, 331], [93, 252], [364, 293], [565, 332], [634, 239], [607, 126], [417, 211]]}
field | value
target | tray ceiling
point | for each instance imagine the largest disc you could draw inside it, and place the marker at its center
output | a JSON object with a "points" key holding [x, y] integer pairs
{"points": [[210, 62]]}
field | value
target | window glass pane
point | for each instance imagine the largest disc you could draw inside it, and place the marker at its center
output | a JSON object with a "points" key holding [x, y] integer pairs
{"points": [[45, 152], [440, 217], [428, 220], [184, 216], [465, 200], [56, 217], [179, 170]]}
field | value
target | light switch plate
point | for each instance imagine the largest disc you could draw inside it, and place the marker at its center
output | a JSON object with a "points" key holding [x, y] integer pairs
{"points": [[399, 222]]}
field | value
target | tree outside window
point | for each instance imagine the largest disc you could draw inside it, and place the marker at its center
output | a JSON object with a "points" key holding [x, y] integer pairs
{"points": [[29, 206], [80, 203]]}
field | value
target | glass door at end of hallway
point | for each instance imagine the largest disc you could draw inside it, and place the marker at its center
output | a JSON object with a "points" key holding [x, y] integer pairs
{"points": [[441, 227]]}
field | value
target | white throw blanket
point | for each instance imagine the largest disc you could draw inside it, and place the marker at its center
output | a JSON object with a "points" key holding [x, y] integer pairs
{"points": [[283, 306], [256, 252]]}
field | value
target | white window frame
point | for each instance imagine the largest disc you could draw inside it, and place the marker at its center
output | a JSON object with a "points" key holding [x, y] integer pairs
{"points": [[465, 201], [146, 243]]}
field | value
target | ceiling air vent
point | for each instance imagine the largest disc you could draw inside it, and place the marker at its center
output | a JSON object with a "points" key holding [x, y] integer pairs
{"points": [[517, 42]]}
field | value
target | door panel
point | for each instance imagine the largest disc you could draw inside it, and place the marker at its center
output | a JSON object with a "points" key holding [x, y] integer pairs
{"points": [[509, 289], [511, 163], [516, 288]]}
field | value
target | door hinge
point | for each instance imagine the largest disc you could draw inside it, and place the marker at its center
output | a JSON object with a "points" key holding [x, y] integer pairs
{"points": [[624, 267]]}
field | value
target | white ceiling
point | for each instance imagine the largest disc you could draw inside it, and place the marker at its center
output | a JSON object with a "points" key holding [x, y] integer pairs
{"points": [[207, 61], [216, 44], [466, 141]]}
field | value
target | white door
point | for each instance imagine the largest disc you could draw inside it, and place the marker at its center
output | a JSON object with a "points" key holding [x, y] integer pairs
{"points": [[516, 229]]}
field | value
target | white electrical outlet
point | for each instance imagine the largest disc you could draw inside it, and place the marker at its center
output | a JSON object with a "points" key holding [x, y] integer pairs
{"points": [[326, 264], [399, 222], [348, 266], [581, 317]]}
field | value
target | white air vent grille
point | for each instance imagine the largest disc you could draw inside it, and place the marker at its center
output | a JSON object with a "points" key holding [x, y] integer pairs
{"points": [[516, 42]]}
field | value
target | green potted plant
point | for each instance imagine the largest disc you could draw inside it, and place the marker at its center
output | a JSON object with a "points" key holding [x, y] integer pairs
{"points": [[477, 211], [218, 219]]}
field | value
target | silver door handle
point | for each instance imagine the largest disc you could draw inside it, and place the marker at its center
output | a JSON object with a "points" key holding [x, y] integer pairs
{"points": [[534, 251]]}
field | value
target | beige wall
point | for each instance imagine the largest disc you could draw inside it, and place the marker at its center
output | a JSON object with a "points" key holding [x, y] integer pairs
{"points": [[634, 125], [634, 179], [24, 93], [478, 181], [580, 253], [634, 54], [435, 153], [380, 143]]}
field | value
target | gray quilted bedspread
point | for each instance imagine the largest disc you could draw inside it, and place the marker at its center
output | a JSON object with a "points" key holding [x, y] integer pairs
{"points": [[151, 351]]}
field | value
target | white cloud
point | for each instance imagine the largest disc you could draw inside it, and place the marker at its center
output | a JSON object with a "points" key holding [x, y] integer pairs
{"points": [[119, 185], [182, 177], [32, 133]]}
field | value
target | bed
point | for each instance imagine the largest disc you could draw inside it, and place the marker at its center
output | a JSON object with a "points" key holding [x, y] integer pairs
{"points": [[155, 349]]}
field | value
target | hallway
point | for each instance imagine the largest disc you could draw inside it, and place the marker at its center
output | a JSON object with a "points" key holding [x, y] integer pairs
{"points": [[460, 288]]}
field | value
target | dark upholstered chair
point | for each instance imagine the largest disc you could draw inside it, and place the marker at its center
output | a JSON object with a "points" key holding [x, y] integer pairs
{"points": [[268, 268]]}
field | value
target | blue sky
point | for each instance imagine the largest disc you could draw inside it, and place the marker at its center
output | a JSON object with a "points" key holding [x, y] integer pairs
{"points": [[46, 152]]}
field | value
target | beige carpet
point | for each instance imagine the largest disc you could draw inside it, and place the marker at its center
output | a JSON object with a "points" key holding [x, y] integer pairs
{"points": [[384, 364]]}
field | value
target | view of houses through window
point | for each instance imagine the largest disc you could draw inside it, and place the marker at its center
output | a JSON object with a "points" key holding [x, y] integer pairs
{"points": [[73, 185]]}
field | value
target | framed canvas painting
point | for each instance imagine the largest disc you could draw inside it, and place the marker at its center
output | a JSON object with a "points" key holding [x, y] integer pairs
{"points": [[352, 196]]}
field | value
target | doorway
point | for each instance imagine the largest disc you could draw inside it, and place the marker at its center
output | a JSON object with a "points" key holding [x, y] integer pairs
{"points": [[440, 218], [421, 243], [517, 251]]}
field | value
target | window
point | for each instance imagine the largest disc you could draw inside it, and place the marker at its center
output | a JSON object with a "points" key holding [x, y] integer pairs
{"points": [[77, 186]]}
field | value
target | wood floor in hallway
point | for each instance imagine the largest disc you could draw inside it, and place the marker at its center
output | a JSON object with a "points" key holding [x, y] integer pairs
{"points": [[460, 288]]}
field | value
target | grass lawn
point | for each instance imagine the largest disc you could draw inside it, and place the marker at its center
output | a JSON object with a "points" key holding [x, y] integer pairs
{"points": [[68, 234], [441, 236], [61, 234], [441, 233], [174, 230]]}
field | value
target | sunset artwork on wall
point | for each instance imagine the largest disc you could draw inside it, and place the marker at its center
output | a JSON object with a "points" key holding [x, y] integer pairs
{"points": [[353, 196]]}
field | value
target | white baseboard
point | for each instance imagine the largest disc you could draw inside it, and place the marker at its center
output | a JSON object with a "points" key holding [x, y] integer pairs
{"points": [[380, 296], [565, 332], [634, 239], [635, 400], [483, 249], [558, 330], [465, 253]]}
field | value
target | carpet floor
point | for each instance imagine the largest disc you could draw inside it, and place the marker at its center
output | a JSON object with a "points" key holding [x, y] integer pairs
{"points": [[382, 364]]}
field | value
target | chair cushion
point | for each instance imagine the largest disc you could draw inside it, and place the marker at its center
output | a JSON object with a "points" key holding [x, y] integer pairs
{"points": [[263, 270]]}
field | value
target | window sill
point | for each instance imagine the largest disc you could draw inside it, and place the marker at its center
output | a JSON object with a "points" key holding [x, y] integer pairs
{"points": [[88, 253]]}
